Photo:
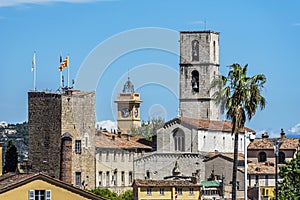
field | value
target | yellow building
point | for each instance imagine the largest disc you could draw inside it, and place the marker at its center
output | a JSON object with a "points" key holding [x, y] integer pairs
{"points": [[166, 190], [41, 187], [267, 192]]}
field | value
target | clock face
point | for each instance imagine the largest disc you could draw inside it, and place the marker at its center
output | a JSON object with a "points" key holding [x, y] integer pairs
{"points": [[125, 112], [136, 112]]}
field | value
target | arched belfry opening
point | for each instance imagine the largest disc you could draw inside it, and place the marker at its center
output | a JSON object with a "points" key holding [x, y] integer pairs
{"points": [[195, 81], [195, 50]]}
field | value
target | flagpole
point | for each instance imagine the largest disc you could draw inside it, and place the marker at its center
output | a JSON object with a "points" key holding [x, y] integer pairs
{"points": [[34, 78], [61, 81], [68, 72], [33, 67]]}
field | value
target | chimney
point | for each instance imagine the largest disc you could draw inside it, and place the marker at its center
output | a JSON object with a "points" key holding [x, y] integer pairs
{"points": [[282, 133], [265, 135], [1, 158]]}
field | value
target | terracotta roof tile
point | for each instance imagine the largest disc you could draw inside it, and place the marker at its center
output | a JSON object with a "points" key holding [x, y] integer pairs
{"points": [[266, 143], [241, 157], [9, 179], [261, 168], [225, 126], [104, 139]]}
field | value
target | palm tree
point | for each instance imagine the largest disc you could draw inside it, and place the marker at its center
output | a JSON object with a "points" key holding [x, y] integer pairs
{"points": [[239, 96]]}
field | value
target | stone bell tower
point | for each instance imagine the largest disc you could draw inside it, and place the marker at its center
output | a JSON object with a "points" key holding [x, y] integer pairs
{"points": [[199, 64]]}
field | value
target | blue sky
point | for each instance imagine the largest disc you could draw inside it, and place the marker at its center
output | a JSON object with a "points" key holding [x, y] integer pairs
{"points": [[264, 34]]}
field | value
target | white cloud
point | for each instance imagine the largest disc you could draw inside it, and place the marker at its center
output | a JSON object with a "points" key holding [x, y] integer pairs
{"points": [[270, 133], [295, 129], [107, 124], [9, 3], [296, 24]]}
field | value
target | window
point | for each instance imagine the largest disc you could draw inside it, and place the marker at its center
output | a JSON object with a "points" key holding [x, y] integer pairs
{"points": [[115, 156], [179, 191], [195, 81], [147, 174], [78, 179], [162, 191], [107, 156], [100, 156], [195, 50], [107, 178], [129, 156], [86, 140], [123, 177], [123, 155], [179, 140], [39, 195], [149, 191], [130, 177], [262, 157], [78, 146], [115, 177], [281, 158], [100, 178], [214, 50], [191, 191]]}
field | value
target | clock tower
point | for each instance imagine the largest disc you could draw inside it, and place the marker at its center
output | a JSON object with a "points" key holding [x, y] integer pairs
{"points": [[128, 108]]}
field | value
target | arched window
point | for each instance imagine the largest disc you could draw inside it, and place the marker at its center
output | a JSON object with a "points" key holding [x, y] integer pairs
{"points": [[262, 157], [195, 50], [178, 137], [281, 158], [86, 140], [195, 81]]}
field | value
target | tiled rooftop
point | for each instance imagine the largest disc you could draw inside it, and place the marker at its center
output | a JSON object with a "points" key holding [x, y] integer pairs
{"points": [[105, 139], [241, 157], [266, 143], [261, 168], [225, 126], [9, 179], [140, 182]]}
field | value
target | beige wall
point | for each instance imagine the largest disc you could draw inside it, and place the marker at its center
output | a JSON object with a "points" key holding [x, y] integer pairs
{"points": [[21, 193]]}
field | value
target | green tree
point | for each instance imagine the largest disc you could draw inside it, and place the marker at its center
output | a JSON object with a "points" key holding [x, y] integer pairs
{"points": [[11, 158], [289, 188], [128, 195], [239, 96], [147, 129], [107, 194]]}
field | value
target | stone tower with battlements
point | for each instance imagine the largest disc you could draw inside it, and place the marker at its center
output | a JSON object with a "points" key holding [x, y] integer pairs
{"points": [[199, 64], [61, 135]]}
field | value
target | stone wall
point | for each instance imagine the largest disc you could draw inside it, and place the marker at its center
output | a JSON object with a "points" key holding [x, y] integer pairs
{"points": [[78, 119], [44, 128], [160, 165], [52, 115], [198, 104]]}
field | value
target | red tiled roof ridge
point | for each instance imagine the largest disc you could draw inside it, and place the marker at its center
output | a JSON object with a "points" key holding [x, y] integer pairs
{"points": [[106, 140], [266, 143], [217, 125]]}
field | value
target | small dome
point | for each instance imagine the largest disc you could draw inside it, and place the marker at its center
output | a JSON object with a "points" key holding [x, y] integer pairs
{"points": [[128, 87]]}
